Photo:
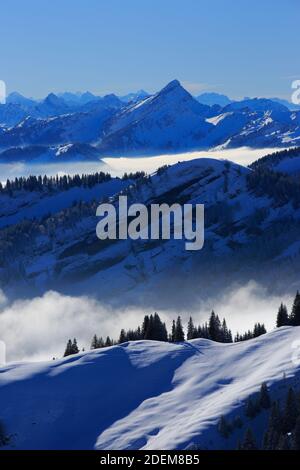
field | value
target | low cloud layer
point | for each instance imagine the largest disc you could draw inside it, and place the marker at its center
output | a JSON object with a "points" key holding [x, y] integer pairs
{"points": [[37, 329]]}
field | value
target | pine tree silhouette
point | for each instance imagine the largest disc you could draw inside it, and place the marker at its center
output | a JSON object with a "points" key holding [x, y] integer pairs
{"points": [[190, 329], [248, 442], [282, 316], [264, 398], [295, 314], [95, 343], [296, 435], [223, 427], [290, 412], [179, 333], [68, 350]]}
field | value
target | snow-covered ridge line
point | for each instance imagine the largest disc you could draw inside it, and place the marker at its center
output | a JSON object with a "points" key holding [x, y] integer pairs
{"points": [[142, 395], [169, 121]]}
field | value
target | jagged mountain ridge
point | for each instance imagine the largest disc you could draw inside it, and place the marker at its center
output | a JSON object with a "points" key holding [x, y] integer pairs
{"points": [[171, 120]]}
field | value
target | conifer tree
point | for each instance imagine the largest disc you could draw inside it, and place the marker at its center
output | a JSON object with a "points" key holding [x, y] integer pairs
{"points": [[75, 349], [296, 435], [145, 326], [237, 422], [259, 329], [95, 343], [214, 327], [149, 329], [290, 412], [249, 442], [122, 337], [223, 427], [230, 339], [250, 409], [282, 316], [108, 342], [139, 333], [152, 329], [164, 332], [68, 350], [225, 336], [159, 329], [179, 333], [274, 429], [295, 314], [264, 398], [173, 332], [190, 329]]}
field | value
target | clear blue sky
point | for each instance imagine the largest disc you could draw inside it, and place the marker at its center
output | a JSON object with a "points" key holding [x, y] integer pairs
{"points": [[239, 47]]}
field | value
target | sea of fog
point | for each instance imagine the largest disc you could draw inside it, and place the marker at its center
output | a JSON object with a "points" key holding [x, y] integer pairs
{"points": [[118, 166], [38, 328], [48, 321]]}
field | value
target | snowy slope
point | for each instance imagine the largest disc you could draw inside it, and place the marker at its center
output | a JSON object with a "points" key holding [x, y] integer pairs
{"points": [[34, 204], [245, 236], [143, 395], [170, 119]]}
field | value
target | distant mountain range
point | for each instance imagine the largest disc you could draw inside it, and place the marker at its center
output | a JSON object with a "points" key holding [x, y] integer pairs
{"points": [[169, 121], [214, 98]]}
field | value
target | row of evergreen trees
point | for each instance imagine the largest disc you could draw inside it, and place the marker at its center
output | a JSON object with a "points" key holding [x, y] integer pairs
{"points": [[214, 329], [50, 183], [253, 407], [258, 330], [275, 157], [153, 328], [281, 188], [292, 319], [283, 428], [134, 176], [71, 348]]}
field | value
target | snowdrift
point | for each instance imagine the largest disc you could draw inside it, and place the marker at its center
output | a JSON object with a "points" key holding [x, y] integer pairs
{"points": [[143, 395]]}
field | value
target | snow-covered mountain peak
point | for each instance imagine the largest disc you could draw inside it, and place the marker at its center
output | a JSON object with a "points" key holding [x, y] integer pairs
{"points": [[171, 86], [172, 115], [17, 98], [53, 100], [170, 120]]}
